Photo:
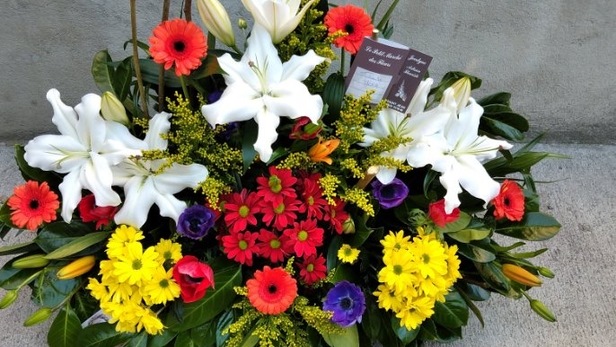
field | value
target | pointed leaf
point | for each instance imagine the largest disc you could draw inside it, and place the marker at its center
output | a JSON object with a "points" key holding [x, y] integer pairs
{"points": [[498, 98], [102, 71], [348, 338], [493, 275], [333, 94], [462, 222], [453, 313], [19, 248], [535, 226], [150, 72], [161, 340], [403, 334], [65, 329], [49, 291], [123, 78], [77, 245], [468, 235], [101, 335]]}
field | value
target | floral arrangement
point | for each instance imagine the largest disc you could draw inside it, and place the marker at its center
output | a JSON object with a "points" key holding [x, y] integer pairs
{"points": [[229, 193]]}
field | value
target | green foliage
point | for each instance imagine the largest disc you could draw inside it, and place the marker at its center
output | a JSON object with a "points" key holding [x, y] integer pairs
{"points": [[65, 329]]}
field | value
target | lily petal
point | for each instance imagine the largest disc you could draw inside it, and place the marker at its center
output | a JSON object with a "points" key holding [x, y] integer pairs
{"points": [[158, 125], [64, 117], [70, 188]]}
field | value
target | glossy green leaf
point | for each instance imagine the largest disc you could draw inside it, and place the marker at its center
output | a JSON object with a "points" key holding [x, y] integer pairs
{"points": [[521, 161], [493, 275], [462, 222], [471, 305], [250, 132], [468, 235], [333, 95], [50, 291], [512, 119], [434, 332], [475, 253], [225, 320], [101, 335], [30, 173], [348, 338], [531, 254], [102, 71], [78, 245], [184, 340], [501, 98], [472, 291], [123, 78], [535, 226], [19, 248], [332, 252], [58, 234], [498, 128], [402, 333], [226, 276], [150, 72], [65, 329], [161, 340], [208, 68], [11, 278], [138, 340], [362, 233], [452, 313]]}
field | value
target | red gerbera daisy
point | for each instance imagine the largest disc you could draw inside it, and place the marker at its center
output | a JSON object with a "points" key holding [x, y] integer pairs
{"points": [[336, 215], [305, 237], [178, 42], [352, 20], [271, 291], [282, 214], [240, 209], [313, 269], [240, 246], [272, 246], [277, 186], [32, 205], [510, 202]]}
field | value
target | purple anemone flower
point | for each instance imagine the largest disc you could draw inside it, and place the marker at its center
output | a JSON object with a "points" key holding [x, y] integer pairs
{"points": [[195, 222], [390, 195], [347, 302]]}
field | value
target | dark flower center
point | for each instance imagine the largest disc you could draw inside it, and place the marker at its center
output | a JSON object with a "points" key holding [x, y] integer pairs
{"points": [[195, 224], [506, 201], [137, 264], [191, 280], [34, 204], [349, 29], [346, 303], [272, 289], [179, 46]]}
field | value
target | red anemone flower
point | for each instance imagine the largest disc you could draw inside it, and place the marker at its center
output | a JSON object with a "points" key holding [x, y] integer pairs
{"points": [[193, 277], [178, 42]]}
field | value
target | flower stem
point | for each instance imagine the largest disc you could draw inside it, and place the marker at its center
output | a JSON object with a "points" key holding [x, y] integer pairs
{"points": [[184, 87], [342, 59], [161, 70], [133, 25], [188, 9]]}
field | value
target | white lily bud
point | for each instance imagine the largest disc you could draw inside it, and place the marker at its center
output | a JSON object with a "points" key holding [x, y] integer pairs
{"points": [[216, 20], [112, 109], [462, 92]]}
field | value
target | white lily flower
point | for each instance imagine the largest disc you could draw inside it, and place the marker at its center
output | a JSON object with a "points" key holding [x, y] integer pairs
{"points": [[85, 150], [457, 153], [416, 126], [278, 17], [260, 86], [145, 186]]}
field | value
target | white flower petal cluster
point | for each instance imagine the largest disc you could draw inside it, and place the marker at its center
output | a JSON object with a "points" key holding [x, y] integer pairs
{"points": [[278, 17], [96, 154], [443, 138]]}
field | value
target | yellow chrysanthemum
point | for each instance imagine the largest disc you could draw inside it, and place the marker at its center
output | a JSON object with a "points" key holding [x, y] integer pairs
{"points": [[121, 291], [348, 254], [168, 251], [161, 288], [106, 270], [387, 299], [134, 265], [149, 321], [433, 287], [417, 311], [395, 241], [122, 236], [398, 272], [430, 257], [97, 290], [453, 265]]}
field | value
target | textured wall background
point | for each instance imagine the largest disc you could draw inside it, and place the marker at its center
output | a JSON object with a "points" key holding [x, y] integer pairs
{"points": [[556, 56]]}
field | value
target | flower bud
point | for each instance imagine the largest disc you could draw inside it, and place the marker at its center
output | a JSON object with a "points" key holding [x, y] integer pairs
{"points": [[321, 150], [462, 92], [33, 261], [38, 317], [242, 24], [348, 227], [112, 109], [216, 20], [542, 310], [77, 268], [8, 299], [545, 272], [519, 274]]}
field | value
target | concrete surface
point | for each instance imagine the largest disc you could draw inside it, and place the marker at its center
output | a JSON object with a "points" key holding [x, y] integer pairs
{"points": [[581, 197], [556, 56]]}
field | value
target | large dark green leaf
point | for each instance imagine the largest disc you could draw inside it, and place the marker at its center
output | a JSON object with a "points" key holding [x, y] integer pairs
{"points": [[404, 335], [184, 340], [65, 329], [123, 78], [225, 320], [493, 275], [468, 235], [11, 278], [501, 98], [498, 128], [58, 234], [208, 68], [348, 338], [471, 305], [462, 222], [49, 291], [101, 335], [473, 292], [226, 276], [162, 339], [432, 331], [102, 71], [475, 253], [452, 313], [535, 226], [520, 162], [248, 144], [333, 95], [205, 334], [77, 245], [150, 72], [139, 340]]}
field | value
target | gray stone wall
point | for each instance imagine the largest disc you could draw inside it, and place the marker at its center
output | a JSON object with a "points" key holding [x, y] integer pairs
{"points": [[558, 57]]}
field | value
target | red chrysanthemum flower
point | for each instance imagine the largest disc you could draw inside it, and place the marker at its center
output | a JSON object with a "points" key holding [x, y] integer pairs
{"points": [[240, 246], [271, 291], [436, 212], [312, 195], [240, 209], [352, 20], [277, 186], [273, 247], [89, 212], [32, 205], [509, 203], [282, 214], [312, 269], [336, 215], [305, 236], [178, 42]]}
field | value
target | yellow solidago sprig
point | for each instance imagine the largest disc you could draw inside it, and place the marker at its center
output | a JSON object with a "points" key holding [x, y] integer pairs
{"points": [[355, 113], [133, 280], [417, 273]]}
